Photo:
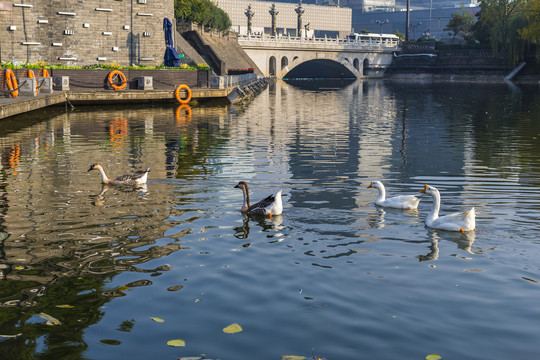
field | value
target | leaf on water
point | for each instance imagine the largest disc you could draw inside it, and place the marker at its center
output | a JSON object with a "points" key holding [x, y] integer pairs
{"points": [[110, 342], [433, 357], [157, 319], [233, 328], [65, 306], [176, 343], [175, 288], [10, 336], [50, 320], [293, 357], [529, 279], [19, 267], [473, 270]]}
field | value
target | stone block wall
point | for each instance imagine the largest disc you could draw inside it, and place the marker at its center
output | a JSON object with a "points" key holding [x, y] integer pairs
{"points": [[80, 33]]}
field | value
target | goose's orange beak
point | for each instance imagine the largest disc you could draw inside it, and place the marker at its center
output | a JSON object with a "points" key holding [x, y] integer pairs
{"points": [[424, 189], [369, 187]]}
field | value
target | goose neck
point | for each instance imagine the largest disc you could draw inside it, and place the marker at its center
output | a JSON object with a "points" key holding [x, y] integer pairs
{"points": [[104, 178], [434, 214], [245, 191]]}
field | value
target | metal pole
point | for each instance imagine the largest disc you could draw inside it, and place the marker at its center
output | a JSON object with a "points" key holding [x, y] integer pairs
{"points": [[430, 6], [408, 20]]}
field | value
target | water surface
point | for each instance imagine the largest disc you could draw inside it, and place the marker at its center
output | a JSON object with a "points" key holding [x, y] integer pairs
{"points": [[334, 276]]}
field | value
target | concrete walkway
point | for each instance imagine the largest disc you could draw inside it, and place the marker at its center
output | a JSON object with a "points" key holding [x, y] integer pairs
{"points": [[21, 104]]}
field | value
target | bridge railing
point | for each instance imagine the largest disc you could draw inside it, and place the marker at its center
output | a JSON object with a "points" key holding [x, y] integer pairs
{"points": [[374, 41]]}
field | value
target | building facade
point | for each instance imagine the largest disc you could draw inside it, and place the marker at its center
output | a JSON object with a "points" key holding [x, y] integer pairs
{"points": [[318, 20], [81, 33]]}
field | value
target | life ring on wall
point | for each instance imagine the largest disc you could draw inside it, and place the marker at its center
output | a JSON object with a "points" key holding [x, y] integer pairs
{"points": [[113, 75], [11, 82], [177, 94], [31, 75], [45, 73]]}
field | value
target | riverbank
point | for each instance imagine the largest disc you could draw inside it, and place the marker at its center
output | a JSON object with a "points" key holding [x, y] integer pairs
{"points": [[231, 89], [425, 61]]}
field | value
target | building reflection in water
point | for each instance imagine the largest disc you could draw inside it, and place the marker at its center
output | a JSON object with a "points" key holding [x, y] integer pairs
{"points": [[61, 232]]}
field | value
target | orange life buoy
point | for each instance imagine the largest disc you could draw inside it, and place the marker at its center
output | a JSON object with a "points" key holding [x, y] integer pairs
{"points": [[11, 82], [117, 73], [31, 75], [45, 73], [177, 94]]}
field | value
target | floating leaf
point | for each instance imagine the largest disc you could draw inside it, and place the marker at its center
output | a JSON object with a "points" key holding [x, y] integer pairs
{"points": [[293, 357], [50, 320], [233, 328], [19, 267], [65, 306], [157, 319], [361, 250], [11, 336], [433, 357], [176, 343], [110, 342], [175, 288]]}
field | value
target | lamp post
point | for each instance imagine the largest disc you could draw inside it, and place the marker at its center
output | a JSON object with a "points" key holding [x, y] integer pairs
{"points": [[249, 15], [274, 13], [299, 10], [381, 22]]}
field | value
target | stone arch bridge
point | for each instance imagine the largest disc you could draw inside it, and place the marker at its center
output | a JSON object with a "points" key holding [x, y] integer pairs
{"points": [[367, 55]]}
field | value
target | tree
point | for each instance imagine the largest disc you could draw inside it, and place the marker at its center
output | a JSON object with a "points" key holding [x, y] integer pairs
{"points": [[203, 12], [532, 13], [460, 24], [503, 20], [399, 35]]}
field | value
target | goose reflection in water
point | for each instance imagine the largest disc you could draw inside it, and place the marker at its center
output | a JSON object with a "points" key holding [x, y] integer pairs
{"points": [[99, 199], [267, 224], [464, 242]]}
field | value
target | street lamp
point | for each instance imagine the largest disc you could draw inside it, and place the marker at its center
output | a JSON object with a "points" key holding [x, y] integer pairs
{"points": [[381, 22]]}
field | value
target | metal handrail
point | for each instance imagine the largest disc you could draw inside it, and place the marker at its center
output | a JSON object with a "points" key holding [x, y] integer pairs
{"points": [[325, 41]]}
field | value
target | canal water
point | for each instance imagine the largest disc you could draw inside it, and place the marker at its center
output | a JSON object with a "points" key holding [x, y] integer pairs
{"points": [[89, 272]]}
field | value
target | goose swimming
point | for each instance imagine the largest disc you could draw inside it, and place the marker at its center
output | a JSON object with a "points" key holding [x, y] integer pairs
{"points": [[408, 202], [134, 179], [460, 221], [271, 205]]}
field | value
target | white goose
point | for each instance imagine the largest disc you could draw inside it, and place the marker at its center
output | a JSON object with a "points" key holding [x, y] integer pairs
{"points": [[408, 202], [271, 205], [134, 179], [461, 221]]}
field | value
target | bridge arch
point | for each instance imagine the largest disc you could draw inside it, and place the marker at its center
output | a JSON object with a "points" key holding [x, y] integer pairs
{"points": [[272, 66], [284, 62], [356, 64], [317, 68], [365, 67]]}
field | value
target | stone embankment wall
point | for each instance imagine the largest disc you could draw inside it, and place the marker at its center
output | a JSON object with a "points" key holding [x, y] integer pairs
{"points": [[422, 60], [79, 33], [220, 51]]}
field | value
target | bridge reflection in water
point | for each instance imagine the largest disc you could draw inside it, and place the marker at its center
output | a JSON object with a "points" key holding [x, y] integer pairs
{"points": [[364, 55]]}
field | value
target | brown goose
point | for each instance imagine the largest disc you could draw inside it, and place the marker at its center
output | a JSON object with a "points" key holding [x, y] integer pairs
{"points": [[271, 205]]}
